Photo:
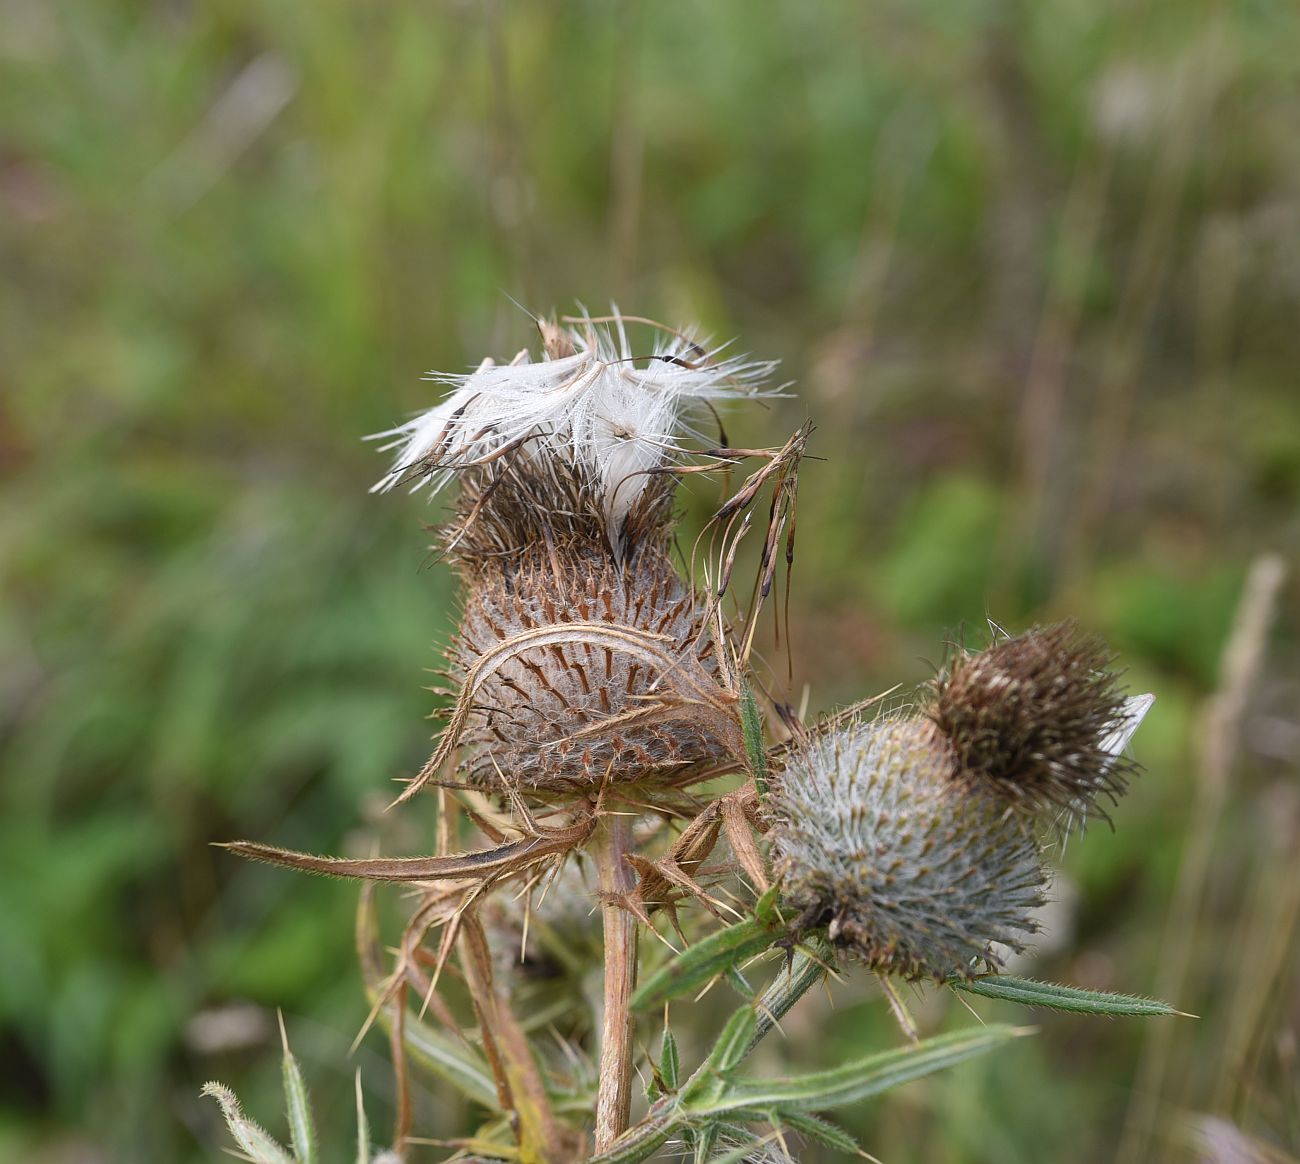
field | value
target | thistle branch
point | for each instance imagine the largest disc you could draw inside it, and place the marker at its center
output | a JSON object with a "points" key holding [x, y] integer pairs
{"points": [[614, 1095]]}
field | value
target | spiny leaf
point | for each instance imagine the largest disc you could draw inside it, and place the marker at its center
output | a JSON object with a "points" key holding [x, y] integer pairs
{"points": [[768, 907], [510, 857], [823, 1131], [744, 1151], [297, 1105], [734, 1040], [704, 961], [857, 1080], [251, 1137], [809, 966], [1057, 997], [643, 1140], [701, 1141]]}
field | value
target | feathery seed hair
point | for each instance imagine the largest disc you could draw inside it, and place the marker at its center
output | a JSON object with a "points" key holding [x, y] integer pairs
{"points": [[916, 873], [1040, 719], [609, 414]]}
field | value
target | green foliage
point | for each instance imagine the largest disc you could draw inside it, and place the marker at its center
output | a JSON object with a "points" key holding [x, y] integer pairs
{"points": [[706, 960], [259, 1145], [718, 1103], [1067, 998]]}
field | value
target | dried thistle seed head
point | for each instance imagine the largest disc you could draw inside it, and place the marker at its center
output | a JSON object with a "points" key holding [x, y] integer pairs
{"points": [[580, 669], [1040, 719], [916, 873], [606, 411]]}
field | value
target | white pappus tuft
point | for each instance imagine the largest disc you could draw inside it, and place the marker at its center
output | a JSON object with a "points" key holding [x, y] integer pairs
{"points": [[593, 402], [1131, 715]]}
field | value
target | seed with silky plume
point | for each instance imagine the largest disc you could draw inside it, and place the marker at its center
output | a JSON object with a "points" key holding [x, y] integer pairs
{"points": [[594, 411], [1040, 719], [916, 873]]}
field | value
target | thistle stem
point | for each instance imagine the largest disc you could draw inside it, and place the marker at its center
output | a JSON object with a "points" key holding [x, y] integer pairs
{"points": [[614, 1093]]}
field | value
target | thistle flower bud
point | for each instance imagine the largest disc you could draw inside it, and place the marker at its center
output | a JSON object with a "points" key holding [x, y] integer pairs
{"points": [[914, 872], [1040, 720]]}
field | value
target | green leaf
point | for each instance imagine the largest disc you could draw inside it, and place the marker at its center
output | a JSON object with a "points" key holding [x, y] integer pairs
{"points": [[643, 1140], [736, 980], [734, 1040], [823, 1131], [768, 907], [1057, 997], [857, 1080], [252, 1138], [363, 1127], [741, 1153], [699, 964], [451, 1061], [751, 725], [297, 1105], [808, 967], [670, 1064]]}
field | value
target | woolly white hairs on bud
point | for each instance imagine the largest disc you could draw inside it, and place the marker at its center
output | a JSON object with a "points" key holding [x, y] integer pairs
{"points": [[593, 403]]}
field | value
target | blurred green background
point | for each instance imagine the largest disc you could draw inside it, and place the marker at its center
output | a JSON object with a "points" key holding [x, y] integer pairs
{"points": [[1036, 271]]}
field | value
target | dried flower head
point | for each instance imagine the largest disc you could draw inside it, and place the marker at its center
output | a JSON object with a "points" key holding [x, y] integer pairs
{"points": [[582, 656], [1040, 719], [915, 872]]}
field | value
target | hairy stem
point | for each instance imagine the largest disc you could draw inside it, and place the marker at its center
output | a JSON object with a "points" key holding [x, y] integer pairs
{"points": [[614, 1095]]}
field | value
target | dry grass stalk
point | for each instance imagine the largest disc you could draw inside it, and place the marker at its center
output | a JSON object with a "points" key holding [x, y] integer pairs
{"points": [[1243, 656]]}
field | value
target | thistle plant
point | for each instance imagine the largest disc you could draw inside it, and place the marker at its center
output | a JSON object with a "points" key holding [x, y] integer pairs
{"points": [[622, 820]]}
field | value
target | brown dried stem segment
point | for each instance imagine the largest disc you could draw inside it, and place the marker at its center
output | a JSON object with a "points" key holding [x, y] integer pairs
{"points": [[541, 1139], [614, 1094]]}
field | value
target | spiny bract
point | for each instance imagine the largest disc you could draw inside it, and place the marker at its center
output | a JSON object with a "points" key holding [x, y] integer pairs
{"points": [[916, 873], [574, 712]]}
